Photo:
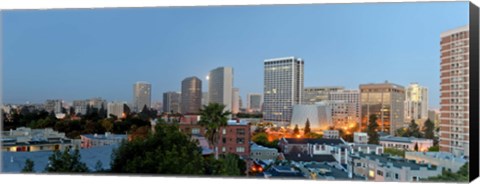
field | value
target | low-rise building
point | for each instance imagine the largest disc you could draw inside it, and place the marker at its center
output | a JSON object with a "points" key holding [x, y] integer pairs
{"points": [[258, 152], [406, 143], [94, 140], [283, 172], [30, 140], [360, 137], [382, 168], [331, 134], [442, 159]]}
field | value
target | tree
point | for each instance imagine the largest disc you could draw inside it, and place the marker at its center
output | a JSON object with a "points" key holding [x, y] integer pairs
{"points": [[307, 127], [395, 152], [373, 137], [28, 166], [413, 130], [447, 176], [429, 129], [99, 166], [434, 149], [165, 151], [416, 147], [230, 165], [296, 131], [313, 135], [212, 117], [66, 162]]}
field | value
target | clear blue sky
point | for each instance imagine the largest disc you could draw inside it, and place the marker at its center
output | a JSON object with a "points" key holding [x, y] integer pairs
{"points": [[79, 54]]}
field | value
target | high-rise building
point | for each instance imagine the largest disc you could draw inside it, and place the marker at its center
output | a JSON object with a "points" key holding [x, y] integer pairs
{"points": [[345, 105], [454, 91], [191, 95], [386, 101], [204, 98], [220, 87], [254, 102], [142, 95], [434, 116], [54, 106], [80, 106], [116, 109], [171, 102], [283, 88], [312, 95], [235, 100], [416, 103]]}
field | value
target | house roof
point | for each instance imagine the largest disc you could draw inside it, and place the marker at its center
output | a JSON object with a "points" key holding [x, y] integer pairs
{"points": [[283, 172], [314, 141], [304, 157], [386, 160], [13, 162]]}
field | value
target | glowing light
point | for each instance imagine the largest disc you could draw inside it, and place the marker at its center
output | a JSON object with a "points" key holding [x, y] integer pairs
{"points": [[298, 136], [208, 77]]}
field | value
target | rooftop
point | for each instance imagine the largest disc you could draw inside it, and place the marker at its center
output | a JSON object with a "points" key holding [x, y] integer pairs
{"points": [[314, 141], [105, 136], [237, 122], [387, 161], [283, 172], [305, 157], [13, 162], [440, 155], [401, 139]]}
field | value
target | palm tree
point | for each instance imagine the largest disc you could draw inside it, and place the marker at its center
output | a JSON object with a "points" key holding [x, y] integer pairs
{"points": [[212, 117]]}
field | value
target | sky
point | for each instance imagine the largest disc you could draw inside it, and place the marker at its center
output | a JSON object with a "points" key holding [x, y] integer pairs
{"points": [[83, 53]]}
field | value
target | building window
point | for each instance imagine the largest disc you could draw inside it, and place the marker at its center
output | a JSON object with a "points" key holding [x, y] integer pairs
{"points": [[240, 149], [371, 174], [224, 140], [224, 149], [224, 131], [414, 178], [380, 173], [240, 140], [195, 131], [396, 176], [240, 131]]}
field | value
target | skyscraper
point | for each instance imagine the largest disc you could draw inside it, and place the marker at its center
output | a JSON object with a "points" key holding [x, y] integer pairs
{"points": [[204, 98], [220, 87], [116, 108], [235, 100], [311, 95], [142, 94], [386, 101], [171, 102], [254, 102], [416, 103], [283, 88], [345, 105], [454, 91], [191, 95]]}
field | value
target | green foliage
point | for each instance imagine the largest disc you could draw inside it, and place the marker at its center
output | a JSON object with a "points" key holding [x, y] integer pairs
{"points": [[99, 166], [28, 166], [307, 130], [395, 152], [373, 137], [66, 162], [167, 151], [429, 129], [413, 130], [212, 117], [313, 135], [296, 131], [416, 147], [461, 176], [434, 148], [262, 139], [249, 115]]}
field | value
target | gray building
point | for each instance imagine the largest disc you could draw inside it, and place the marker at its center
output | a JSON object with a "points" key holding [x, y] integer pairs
{"points": [[258, 152], [386, 101], [283, 88], [54, 106], [142, 95], [191, 95], [220, 87], [171, 102], [254, 102], [311, 95]]}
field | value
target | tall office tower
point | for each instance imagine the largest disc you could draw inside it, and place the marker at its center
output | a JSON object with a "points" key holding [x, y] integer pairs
{"points": [[116, 109], [254, 102], [345, 107], [454, 91], [312, 95], [97, 103], [80, 106], [191, 95], [171, 102], [416, 103], [220, 87], [142, 94], [386, 101], [283, 88], [235, 100], [204, 98], [54, 106]]}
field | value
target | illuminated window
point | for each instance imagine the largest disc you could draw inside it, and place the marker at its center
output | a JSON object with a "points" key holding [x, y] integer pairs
{"points": [[371, 174]]}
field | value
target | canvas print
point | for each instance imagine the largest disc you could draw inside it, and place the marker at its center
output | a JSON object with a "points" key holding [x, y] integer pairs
{"points": [[365, 92]]}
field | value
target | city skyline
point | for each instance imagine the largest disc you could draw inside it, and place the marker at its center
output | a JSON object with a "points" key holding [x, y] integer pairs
{"points": [[64, 69]]}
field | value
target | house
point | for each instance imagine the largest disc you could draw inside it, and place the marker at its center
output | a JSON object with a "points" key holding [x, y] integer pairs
{"points": [[258, 152], [406, 143], [31, 140], [94, 140], [445, 159], [283, 172], [381, 168]]}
